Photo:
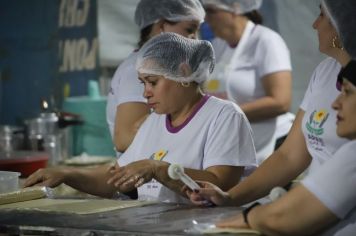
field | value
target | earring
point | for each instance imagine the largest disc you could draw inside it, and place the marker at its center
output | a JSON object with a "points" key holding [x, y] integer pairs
{"points": [[336, 44], [185, 84]]}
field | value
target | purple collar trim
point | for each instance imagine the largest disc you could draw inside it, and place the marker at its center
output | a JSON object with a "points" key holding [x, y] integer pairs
{"points": [[172, 129]]}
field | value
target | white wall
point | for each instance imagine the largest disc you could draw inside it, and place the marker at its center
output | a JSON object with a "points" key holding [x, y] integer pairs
{"points": [[295, 19], [118, 33]]}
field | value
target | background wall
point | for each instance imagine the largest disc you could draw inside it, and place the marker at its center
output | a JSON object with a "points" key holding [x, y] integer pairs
{"points": [[48, 49], [118, 33], [295, 19]]}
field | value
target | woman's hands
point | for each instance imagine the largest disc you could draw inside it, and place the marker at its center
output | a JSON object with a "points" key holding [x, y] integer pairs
{"points": [[50, 177], [213, 194], [207, 193], [132, 175]]}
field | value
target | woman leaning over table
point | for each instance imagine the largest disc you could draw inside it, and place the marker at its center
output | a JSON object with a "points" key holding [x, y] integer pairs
{"points": [[312, 140], [127, 108], [211, 138], [324, 203]]}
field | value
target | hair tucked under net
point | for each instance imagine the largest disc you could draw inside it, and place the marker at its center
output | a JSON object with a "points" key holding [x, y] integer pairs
{"points": [[343, 16], [237, 6], [150, 11], [167, 54]]}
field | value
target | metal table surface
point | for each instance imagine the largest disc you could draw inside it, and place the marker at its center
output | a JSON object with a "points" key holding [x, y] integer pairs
{"points": [[157, 219]]}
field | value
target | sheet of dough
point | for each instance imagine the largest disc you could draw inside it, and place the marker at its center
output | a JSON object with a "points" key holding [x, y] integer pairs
{"points": [[76, 206], [21, 195], [231, 231]]}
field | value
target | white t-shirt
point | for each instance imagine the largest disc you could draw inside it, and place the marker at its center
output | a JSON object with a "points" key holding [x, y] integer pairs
{"points": [[240, 70], [319, 121], [125, 87], [218, 133], [334, 184]]}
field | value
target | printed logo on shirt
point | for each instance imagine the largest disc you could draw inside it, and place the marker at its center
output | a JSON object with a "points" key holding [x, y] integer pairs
{"points": [[316, 121], [153, 184], [212, 85], [315, 129], [159, 155]]}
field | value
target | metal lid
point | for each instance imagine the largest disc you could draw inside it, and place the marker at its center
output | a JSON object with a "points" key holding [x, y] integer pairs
{"points": [[50, 117]]}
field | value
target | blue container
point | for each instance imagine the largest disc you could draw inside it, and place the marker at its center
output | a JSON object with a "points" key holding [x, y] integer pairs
{"points": [[205, 32], [93, 136]]}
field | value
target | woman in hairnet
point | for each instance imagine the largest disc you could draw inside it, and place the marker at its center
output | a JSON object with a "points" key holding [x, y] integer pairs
{"points": [[312, 141], [325, 201], [211, 138], [253, 69], [126, 107]]}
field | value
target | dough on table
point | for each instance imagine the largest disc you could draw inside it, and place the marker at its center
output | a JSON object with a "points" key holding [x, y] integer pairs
{"points": [[23, 195], [76, 206], [231, 231]]}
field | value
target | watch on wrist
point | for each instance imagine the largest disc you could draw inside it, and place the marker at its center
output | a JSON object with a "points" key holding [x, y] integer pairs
{"points": [[247, 210]]}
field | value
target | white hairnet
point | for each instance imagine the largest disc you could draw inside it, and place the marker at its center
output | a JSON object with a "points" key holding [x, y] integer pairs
{"points": [[150, 11], [167, 54], [343, 16], [238, 7]]}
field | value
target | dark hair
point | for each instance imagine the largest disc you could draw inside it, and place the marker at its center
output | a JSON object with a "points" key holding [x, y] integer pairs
{"points": [[348, 72], [145, 35], [255, 17], [146, 32]]}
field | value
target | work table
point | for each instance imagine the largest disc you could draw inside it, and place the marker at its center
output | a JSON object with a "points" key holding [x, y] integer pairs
{"points": [[156, 219]]}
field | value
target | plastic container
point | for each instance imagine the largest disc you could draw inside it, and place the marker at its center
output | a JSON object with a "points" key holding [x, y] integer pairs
{"points": [[9, 181]]}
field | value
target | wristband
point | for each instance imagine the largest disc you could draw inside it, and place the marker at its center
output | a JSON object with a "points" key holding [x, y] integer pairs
{"points": [[247, 210]]}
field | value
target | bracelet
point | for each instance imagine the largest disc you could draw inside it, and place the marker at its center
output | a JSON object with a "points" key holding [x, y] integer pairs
{"points": [[247, 210]]}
